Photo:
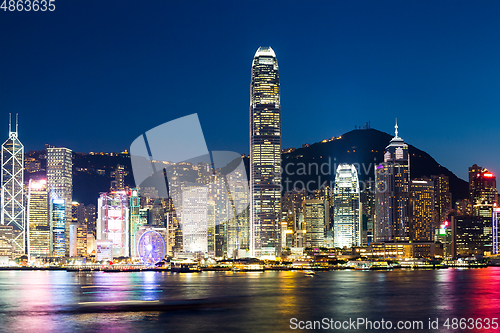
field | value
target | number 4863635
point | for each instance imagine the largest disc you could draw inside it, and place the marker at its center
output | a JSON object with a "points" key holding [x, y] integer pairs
{"points": [[28, 5]]}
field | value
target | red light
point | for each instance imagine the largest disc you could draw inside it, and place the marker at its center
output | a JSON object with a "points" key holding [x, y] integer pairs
{"points": [[446, 223], [488, 175]]}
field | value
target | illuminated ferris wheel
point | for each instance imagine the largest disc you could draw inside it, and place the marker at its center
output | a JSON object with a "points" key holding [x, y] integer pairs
{"points": [[151, 247]]}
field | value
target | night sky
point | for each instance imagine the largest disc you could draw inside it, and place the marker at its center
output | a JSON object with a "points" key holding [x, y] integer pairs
{"points": [[94, 75]]}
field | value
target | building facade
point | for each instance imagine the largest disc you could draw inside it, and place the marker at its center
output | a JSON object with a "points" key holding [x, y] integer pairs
{"points": [[392, 181], [315, 217], [38, 219], [12, 185], [265, 155], [422, 211], [346, 206], [60, 184], [113, 222]]}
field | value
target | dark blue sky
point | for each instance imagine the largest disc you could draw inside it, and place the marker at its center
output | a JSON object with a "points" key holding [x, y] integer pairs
{"points": [[93, 75]]}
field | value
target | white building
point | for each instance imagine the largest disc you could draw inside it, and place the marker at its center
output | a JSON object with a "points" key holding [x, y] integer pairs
{"points": [[194, 219]]}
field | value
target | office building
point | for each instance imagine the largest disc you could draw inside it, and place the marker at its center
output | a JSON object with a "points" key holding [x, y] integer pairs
{"points": [[315, 220], [6, 236], [194, 218], [422, 211], [346, 217], [58, 227], [265, 155], [38, 219], [60, 184], [135, 220], [113, 222], [482, 186], [12, 190], [392, 178], [442, 198]]}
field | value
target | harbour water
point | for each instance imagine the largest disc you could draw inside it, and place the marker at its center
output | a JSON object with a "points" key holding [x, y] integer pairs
{"points": [[60, 301]]}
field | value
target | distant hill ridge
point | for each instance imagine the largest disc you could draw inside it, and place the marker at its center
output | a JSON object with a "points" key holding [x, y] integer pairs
{"points": [[365, 149], [309, 165]]}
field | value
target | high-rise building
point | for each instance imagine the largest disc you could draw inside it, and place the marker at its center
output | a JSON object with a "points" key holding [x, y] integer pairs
{"points": [[90, 218], [60, 184], [482, 186], [265, 155], [119, 174], [12, 182], [135, 220], [315, 221], [38, 219], [442, 198], [78, 231], [194, 219], [422, 211], [57, 227], [392, 180], [473, 235], [6, 241], [346, 217], [113, 222]]}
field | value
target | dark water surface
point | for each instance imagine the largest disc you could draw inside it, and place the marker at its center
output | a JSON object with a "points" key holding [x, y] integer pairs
{"points": [[59, 301]]}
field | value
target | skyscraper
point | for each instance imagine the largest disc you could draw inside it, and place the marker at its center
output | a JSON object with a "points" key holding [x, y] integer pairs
{"points": [[442, 198], [57, 227], [38, 219], [135, 220], [194, 219], [422, 210], [60, 184], [265, 155], [346, 217], [113, 222], [392, 180], [12, 202], [482, 185], [315, 221]]}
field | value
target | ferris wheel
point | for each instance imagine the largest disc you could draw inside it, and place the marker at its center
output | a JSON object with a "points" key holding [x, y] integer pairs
{"points": [[151, 247]]}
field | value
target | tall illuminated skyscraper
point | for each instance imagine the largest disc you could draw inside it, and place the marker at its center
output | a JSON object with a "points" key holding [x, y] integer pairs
{"points": [[57, 227], [346, 205], [12, 182], [422, 210], [315, 217], [195, 219], [38, 219], [135, 220], [113, 222], [392, 179], [265, 155], [60, 184]]}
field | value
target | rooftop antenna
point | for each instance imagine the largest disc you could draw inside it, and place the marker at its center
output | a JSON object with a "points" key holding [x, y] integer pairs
{"points": [[396, 128], [10, 122], [17, 115]]}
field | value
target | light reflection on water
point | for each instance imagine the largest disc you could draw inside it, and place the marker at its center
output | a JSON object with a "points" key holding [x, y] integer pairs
{"points": [[47, 301]]}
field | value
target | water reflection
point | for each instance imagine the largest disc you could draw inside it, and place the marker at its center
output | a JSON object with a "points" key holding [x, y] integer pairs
{"points": [[266, 301]]}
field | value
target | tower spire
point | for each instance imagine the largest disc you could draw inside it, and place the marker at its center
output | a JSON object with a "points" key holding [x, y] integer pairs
{"points": [[17, 115], [396, 128], [10, 122]]}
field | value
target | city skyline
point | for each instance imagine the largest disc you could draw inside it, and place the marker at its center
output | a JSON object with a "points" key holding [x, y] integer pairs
{"points": [[371, 63]]}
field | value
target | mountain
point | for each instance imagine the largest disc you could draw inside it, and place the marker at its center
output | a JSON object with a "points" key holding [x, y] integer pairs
{"points": [[365, 149], [313, 164]]}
